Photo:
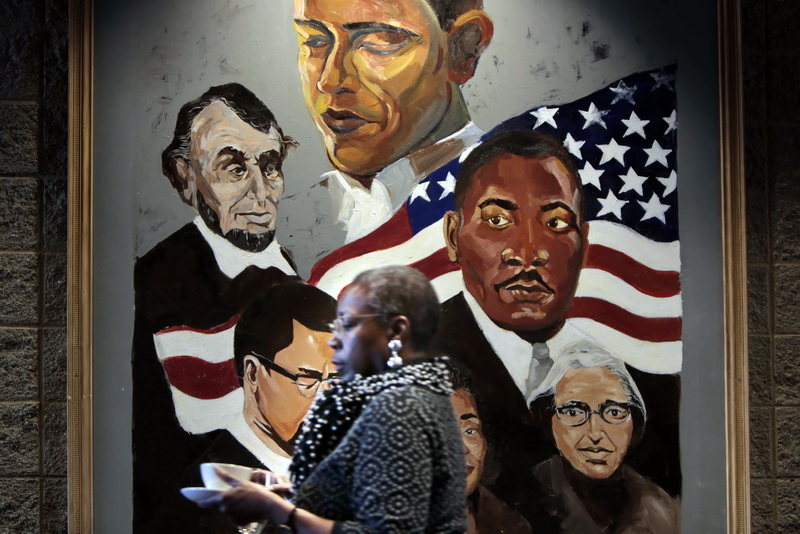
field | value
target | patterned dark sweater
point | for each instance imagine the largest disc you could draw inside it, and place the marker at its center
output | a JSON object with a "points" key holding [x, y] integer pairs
{"points": [[399, 469]]}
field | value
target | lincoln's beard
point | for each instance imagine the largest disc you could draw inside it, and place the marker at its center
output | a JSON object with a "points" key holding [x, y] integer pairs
{"points": [[239, 238]]}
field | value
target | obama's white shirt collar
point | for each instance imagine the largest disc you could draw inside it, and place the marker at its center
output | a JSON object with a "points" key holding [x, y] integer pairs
{"points": [[361, 210]]}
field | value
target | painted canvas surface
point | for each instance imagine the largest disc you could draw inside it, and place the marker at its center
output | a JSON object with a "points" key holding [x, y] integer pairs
{"points": [[540, 199]]}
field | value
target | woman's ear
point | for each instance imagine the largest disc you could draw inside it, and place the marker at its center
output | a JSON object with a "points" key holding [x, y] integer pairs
{"points": [[467, 38], [399, 328]]}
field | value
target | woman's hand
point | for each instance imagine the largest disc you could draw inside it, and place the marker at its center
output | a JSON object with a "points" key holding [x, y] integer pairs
{"points": [[278, 483], [268, 478], [251, 502], [248, 502]]}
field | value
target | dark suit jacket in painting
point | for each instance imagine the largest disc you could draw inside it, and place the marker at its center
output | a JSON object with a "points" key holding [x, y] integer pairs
{"points": [[178, 515], [626, 503], [493, 516], [516, 445], [516, 441], [177, 283]]}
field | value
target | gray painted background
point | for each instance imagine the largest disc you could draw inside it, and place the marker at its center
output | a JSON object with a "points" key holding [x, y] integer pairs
{"points": [[151, 57]]}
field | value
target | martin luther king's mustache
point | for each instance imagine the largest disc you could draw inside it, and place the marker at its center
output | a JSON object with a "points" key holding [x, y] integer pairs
{"points": [[525, 276]]}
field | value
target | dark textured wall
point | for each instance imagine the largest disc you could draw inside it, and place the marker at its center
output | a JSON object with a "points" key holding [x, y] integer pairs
{"points": [[33, 167], [772, 101]]}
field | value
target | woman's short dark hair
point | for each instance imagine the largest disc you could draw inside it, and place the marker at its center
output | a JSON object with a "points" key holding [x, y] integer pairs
{"points": [[401, 290]]}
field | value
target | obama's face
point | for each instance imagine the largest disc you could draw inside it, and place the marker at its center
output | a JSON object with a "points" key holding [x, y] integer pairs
{"points": [[376, 78]]}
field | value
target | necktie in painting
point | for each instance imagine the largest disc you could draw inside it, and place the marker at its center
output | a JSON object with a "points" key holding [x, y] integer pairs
{"points": [[623, 138]]}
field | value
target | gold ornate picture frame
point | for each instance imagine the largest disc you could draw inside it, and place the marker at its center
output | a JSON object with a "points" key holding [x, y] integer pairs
{"points": [[718, 252]]}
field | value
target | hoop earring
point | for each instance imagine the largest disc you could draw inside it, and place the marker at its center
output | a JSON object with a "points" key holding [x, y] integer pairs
{"points": [[395, 360]]}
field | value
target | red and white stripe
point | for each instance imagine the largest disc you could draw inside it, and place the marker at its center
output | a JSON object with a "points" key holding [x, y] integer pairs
{"points": [[628, 299], [201, 371], [393, 243], [628, 296]]}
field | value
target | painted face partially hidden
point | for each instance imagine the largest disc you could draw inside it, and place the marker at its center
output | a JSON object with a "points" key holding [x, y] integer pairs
{"points": [[596, 448], [360, 340], [375, 78], [466, 411], [278, 397], [235, 173], [520, 240]]}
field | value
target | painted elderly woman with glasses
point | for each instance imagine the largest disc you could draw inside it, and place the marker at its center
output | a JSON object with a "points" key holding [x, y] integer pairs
{"points": [[380, 450], [593, 410]]}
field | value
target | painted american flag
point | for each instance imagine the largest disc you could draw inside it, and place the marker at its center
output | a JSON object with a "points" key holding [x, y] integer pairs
{"points": [[624, 140], [202, 376]]}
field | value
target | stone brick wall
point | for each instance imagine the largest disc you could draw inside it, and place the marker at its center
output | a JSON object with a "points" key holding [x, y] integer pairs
{"points": [[772, 154], [33, 167]]}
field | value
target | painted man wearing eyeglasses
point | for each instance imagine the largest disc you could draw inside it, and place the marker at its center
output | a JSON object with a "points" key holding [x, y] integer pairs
{"points": [[591, 407], [382, 81], [282, 359]]}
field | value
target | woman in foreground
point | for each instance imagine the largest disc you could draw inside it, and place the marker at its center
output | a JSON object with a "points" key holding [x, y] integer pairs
{"points": [[381, 450]]}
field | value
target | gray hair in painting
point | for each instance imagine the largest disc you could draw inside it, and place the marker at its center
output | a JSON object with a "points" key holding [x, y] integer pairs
{"points": [[588, 354]]}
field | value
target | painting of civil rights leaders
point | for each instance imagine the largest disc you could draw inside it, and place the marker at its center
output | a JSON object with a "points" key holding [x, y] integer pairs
{"points": [[520, 235], [521, 154]]}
